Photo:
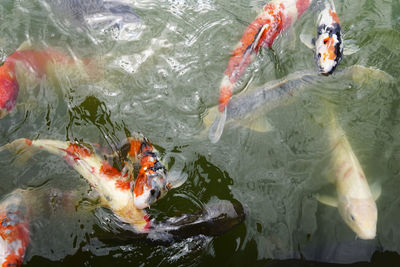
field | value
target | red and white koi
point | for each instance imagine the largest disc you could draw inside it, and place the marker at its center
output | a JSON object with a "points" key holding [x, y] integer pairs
{"points": [[151, 182], [37, 62], [115, 187], [14, 230], [277, 15]]}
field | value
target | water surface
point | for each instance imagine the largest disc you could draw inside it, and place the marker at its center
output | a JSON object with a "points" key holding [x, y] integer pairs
{"points": [[161, 83]]}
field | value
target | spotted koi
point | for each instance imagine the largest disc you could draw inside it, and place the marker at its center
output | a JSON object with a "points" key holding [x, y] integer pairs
{"points": [[277, 16], [115, 187], [14, 230], [151, 182], [328, 43]]}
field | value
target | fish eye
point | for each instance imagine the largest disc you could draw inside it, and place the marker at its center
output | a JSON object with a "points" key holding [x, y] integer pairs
{"points": [[319, 55], [152, 192], [352, 218]]}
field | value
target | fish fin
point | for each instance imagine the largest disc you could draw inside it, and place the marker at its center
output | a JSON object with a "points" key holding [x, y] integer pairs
{"points": [[363, 75], [350, 47], [25, 46], [21, 148], [176, 178], [216, 129], [307, 40], [376, 190], [257, 39], [292, 38], [261, 125], [327, 200]]}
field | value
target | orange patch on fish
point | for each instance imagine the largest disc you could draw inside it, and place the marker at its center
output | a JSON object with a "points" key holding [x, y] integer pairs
{"points": [[140, 183], [225, 95], [334, 16], [123, 185], [330, 47], [109, 170], [77, 149], [301, 6], [134, 147], [28, 142]]}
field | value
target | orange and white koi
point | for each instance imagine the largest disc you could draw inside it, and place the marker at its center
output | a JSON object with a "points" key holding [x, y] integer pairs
{"points": [[37, 62], [328, 44], [151, 182], [14, 229], [277, 15], [115, 187]]}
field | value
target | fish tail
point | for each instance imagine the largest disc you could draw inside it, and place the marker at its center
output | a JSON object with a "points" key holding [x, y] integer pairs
{"points": [[20, 147], [216, 129]]}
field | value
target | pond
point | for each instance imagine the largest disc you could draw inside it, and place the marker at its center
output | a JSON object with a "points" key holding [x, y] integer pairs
{"points": [[159, 77]]}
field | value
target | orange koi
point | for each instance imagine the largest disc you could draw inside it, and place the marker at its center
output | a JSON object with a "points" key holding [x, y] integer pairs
{"points": [[35, 61], [277, 15]]}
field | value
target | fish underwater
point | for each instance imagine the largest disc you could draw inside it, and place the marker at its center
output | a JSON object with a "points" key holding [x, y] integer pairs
{"points": [[248, 109], [114, 187], [98, 15], [354, 200], [328, 45], [27, 66], [277, 16], [14, 229]]}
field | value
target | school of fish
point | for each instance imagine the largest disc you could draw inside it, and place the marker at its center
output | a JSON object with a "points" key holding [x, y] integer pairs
{"points": [[127, 197]]}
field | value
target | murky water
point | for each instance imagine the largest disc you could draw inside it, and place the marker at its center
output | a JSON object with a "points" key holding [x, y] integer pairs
{"points": [[160, 80]]}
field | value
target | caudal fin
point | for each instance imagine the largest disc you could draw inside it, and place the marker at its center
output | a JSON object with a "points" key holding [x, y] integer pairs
{"points": [[216, 129], [21, 148]]}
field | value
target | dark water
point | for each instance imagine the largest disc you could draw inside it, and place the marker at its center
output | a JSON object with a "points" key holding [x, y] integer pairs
{"points": [[160, 80]]}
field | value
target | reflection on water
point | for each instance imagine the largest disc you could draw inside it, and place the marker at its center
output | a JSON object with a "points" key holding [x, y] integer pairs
{"points": [[161, 83]]}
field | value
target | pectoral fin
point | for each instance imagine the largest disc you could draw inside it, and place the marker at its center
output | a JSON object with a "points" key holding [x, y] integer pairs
{"points": [[307, 40], [261, 125], [376, 190], [25, 46], [257, 38], [327, 200]]}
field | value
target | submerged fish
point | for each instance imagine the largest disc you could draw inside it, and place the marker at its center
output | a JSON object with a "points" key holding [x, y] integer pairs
{"points": [[14, 229], [114, 187], [248, 109], [277, 15], [34, 63], [328, 45], [99, 15], [355, 202], [151, 182]]}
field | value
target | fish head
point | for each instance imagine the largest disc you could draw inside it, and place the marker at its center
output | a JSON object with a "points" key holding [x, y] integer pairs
{"points": [[328, 48], [150, 185], [361, 216], [8, 91]]}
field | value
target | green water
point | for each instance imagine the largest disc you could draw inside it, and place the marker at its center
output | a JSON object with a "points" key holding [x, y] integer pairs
{"points": [[160, 84]]}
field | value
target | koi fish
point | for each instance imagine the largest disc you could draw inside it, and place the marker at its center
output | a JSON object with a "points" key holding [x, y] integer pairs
{"points": [[355, 202], [114, 187], [37, 63], [102, 15], [151, 182], [328, 44], [14, 229], [276, 17], [247, 109]]}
